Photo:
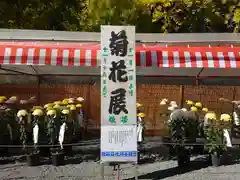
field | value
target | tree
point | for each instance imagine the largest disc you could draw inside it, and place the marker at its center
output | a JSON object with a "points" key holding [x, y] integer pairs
{"points": [[194, 15], [180, 16]]}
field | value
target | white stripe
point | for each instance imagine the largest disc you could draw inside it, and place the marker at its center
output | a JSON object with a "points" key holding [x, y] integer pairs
{"points": [[65, 58], [30, 56], [154, 59], [199, 60], [221, 59], [88, 58], [142, 58], [176, 59], [210, 59], [187, 59], [19, 54], [42, 56], [77, 57], [98, 58], [232, 60], [7, 55], [54, 57], [165, 59]]}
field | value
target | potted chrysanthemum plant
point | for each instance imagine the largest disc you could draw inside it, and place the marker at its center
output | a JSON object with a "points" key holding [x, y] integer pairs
{"points": [[67, 119], [178, 134], [53, 128], [39, 131], [22, 119], [34, 154], [215, 142]]}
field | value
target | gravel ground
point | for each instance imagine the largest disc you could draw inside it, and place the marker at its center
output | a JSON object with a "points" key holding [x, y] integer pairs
{"points": [[85, 165]]}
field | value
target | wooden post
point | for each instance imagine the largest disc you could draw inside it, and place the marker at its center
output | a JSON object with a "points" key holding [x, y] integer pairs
{"points": [[181, 95]]}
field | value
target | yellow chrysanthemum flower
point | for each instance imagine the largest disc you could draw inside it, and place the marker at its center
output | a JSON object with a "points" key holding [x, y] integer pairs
{"points": [[225, 117], [198, 104], [79, 105], [69, 106], [193, 108], [138, 105], [13, 98], [141, 115], [37, 112], [22, 113], [65, 111], [48, 105], [205, 109], [3, 97], [189, 102], [56, 106], [65, 101], [73, 108], [57, 102], [49, 108], [211, 115], [38, 107], [51, 112]]}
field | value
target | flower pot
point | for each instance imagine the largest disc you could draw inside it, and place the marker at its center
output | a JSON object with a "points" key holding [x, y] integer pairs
{"points": [[68, 150], [33, 159], [215, 159], [44, 151], [58, 158], [183, 158]]}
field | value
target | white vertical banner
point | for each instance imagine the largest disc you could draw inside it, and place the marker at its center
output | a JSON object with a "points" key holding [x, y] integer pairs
{"points": [[118, 94]]}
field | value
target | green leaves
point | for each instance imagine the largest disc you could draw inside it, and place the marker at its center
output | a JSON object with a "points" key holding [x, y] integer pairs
{"points": [[147, 15]]}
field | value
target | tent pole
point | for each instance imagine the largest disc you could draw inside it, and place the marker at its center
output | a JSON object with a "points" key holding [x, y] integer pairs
{"points": [[181, 94], [234, 97]]}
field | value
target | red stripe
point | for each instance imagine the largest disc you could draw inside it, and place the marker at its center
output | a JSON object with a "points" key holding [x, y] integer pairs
{"points": [[159, 58], [227, 60], [181, 58], [24, 55], [138, 58], [48, 56], [71, 57], [94, 58], [59, 57], [237, 57], [170, 59], [36, 56], [82, 57], [193, 59], [2, 52], [148, 58], [215, 59], [204, 59]]}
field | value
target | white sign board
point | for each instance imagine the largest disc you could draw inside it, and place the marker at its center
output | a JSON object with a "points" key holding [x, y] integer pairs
{"points": [[118, 143], [118, 93], [118, 75]]}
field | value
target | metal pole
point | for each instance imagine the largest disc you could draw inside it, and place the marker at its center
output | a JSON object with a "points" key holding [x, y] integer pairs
{"points": [[102, 171], [136, 172], [118, 172]]}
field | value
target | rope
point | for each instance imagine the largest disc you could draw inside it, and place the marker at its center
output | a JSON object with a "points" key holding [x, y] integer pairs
{"points": [[81, 144]]}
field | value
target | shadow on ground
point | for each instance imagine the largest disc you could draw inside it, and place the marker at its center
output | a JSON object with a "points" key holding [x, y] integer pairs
{"points": [[161, 174]]}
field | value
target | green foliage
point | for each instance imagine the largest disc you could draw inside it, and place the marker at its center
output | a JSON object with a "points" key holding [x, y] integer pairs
{"points": [[147, 15], [215, 139]]}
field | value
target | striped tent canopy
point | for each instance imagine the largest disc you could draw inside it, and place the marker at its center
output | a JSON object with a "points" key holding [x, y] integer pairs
{"points": [[88, 54]]}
